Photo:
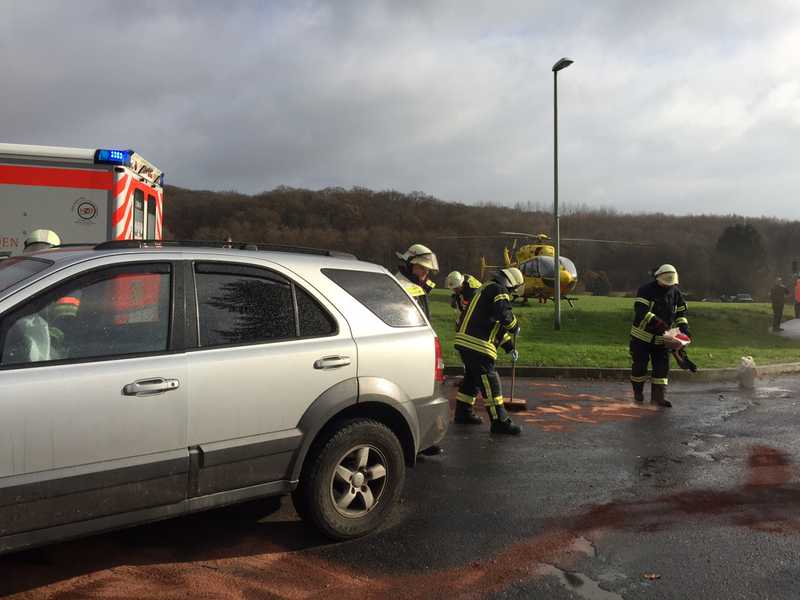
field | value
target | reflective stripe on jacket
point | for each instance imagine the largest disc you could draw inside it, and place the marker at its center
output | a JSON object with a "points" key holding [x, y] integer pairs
{"points": [[416, 291], [488, 321], [655, 302]]}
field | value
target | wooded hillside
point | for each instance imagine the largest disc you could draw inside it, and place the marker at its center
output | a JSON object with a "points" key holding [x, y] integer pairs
{"points": [[713, 254]]}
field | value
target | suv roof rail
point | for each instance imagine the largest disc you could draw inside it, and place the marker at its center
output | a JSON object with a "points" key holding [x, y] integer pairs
{"points": [[118, 244]]}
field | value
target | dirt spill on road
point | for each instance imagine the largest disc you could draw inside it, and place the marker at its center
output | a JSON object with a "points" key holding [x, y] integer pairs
{"points": [[560, 411], [768, 500]]}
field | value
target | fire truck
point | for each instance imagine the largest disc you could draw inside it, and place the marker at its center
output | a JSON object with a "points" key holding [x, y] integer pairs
{"points": [[84, 195]]}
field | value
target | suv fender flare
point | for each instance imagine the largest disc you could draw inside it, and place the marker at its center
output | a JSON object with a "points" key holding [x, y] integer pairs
{"points": [[332, 401], [383, 391], [347, 395]]}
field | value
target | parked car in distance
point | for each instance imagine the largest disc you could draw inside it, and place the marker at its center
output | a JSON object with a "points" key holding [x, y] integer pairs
{"points": [[145, 380], [743, 298]]}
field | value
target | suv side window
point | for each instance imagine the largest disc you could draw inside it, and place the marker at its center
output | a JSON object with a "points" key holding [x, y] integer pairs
{"points": [[109, 312], [314, 320], [381, 294], [242, 305]]}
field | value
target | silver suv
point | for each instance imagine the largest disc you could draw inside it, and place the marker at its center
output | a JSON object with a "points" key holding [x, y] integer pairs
{"points": [[141, 381]]}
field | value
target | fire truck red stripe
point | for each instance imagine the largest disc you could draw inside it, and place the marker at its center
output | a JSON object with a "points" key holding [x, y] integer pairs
{"points": [[159, 215], [124, 234], [50, 177], [120, 212], [120, 185]]}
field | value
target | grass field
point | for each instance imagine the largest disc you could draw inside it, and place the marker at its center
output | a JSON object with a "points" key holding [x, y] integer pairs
{"points": [[595, 333]]}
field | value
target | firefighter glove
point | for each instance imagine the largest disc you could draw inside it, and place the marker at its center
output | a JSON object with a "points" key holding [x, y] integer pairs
{"points": [[659, 326], [514, 355]]}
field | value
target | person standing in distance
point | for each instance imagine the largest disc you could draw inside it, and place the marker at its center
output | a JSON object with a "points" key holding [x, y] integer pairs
{"points": [[777, 295]]}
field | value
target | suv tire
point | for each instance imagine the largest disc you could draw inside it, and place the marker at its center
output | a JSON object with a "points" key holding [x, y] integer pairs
{"points": [[352, 483]]}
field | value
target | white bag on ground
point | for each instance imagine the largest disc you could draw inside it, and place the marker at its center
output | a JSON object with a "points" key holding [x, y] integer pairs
{"points": [[747, 373]]}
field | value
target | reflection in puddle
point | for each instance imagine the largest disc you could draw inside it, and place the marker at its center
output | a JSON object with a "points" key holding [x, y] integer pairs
{"points": [[578, 583]]}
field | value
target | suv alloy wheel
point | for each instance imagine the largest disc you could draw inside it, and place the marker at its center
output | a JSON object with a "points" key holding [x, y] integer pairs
{"points": [[353, 480]]}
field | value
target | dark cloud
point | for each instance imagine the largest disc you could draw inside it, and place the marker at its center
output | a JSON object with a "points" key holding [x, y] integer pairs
{"points": [[678, 107]]}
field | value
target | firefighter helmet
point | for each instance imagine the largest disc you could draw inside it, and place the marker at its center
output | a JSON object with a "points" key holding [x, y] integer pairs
{"points": [[454, 280], [45, 237], [66, 306], [417, 254], [514, 279], [666, 275]]}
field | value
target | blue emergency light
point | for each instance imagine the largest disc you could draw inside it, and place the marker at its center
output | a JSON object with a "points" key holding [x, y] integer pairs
{"points": [[106, 156]]}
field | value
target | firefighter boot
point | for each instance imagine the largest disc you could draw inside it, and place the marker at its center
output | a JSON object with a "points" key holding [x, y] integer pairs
{"points": [[503, 423], [638, 391], [659, 395], [465, 415]]}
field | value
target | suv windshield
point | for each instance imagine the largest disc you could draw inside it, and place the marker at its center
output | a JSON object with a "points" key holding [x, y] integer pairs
{"points": [[19, 268]]}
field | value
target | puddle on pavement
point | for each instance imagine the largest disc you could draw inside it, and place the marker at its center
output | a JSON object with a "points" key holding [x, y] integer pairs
{"points": [[578, 583], [705, 446], [583, 546], [773, 392]]}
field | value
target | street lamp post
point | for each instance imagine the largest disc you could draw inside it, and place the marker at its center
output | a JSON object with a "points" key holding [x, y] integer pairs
{"points": [[561, 64]]}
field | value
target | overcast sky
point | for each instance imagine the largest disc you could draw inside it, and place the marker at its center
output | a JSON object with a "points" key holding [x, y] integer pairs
{"points": [[680, 107]]}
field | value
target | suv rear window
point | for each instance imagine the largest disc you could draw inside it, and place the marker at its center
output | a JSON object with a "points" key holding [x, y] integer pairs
{"points": [[379, 293], [14, 270]]}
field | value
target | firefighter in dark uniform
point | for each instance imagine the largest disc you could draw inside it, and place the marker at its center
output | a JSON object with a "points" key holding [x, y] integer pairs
{"points": [[418, 262], [659, 306], [488, 323], [416, 266], [463, 287]]}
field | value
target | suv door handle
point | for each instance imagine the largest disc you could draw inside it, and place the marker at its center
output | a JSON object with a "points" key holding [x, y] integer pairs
{"points": [[148, 387], [332, 362]]}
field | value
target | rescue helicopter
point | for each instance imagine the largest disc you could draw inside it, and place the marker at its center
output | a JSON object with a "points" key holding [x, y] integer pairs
{"points": [[537, 262]]}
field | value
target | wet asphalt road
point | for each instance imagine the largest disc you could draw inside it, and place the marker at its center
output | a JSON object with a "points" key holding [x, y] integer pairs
{"points": [[598, 499]]}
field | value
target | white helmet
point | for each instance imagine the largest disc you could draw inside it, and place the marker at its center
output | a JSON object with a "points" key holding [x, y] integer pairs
{"points": [[454, 280], [46, 237], [418, 254], [514, 278], [666, 275]]}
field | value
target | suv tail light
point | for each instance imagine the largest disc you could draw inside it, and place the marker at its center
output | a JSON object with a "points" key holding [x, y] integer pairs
{"points": [[439, 364]]}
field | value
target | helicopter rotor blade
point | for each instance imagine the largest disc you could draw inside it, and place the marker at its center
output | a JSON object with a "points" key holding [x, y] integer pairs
{"points": [[469, 237], [538, 236], [621, 242]]}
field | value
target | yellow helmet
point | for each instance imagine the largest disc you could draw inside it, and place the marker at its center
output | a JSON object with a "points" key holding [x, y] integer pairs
{"points": [[42, 236], [454, 280], [417, 254], [666, 275], [514, 278]]}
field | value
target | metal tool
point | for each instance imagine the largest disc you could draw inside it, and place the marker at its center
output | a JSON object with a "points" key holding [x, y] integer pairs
{"points": [[511, 404]]}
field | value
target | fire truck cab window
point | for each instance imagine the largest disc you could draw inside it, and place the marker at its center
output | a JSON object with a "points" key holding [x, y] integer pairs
{"points": [[151, 217], [138, 214], [114, 312]]}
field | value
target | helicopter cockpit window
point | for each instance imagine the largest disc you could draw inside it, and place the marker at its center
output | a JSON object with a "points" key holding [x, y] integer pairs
{"points": [[545, 266], [569, 266], [530, 268]]}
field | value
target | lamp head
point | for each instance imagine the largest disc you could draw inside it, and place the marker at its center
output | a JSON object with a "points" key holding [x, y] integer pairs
{"points": [[562, 63]]}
